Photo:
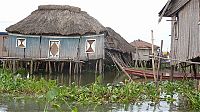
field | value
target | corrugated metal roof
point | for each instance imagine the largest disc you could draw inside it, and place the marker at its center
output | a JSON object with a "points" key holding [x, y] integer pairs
{"points": [[142, 44], [173, 7], [3, 33]]}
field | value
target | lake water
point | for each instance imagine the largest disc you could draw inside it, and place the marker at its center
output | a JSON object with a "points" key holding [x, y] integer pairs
{"points": [[17, 104]]}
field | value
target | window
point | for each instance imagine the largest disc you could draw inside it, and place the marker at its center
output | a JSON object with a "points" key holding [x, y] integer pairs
{"points": [[90, 45], [21, 42]]}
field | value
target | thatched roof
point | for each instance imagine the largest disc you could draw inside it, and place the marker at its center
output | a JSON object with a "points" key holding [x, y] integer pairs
{"points": [[57, 20], [116, 42], [142, 44]]}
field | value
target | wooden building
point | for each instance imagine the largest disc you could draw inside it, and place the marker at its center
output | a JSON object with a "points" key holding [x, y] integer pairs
{"points": [[3, 38], [56, 33], [143, 52], [56, 37], [185, 30], [143, 49]]}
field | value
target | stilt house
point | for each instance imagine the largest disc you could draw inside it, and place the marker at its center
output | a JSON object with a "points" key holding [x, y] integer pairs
{"points": [[143, 52], [143, 49], [56, 33], [185, 29]]}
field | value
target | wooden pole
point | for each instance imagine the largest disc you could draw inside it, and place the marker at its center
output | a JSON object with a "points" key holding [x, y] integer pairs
{"points": [[172, 72], [55, 67], [153, 58], [50, 70], [159, 61], [31, 67], [3, 64], [70, 67], [14, 69], [62, 66], [96, 66], [100, 66], [46, 69], [80, 68]]}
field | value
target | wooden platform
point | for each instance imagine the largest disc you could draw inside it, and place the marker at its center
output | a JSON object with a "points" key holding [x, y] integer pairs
{"points": [[162, 75]]}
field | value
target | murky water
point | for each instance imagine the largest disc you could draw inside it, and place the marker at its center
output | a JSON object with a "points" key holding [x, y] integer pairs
{"points": [[14, 104], [17, 104]]}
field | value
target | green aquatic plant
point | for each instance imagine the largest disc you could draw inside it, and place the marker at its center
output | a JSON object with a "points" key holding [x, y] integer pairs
{"points": [[64, 97]]}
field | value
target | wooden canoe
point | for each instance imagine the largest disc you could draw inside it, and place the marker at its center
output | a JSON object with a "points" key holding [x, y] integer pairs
{"points": [[162, 75]]}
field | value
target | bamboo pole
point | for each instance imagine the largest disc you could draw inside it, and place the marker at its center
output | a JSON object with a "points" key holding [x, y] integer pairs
{"points": [[153, 58]]}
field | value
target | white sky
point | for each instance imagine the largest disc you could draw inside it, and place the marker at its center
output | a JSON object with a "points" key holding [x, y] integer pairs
{"points": [[132, 19]]}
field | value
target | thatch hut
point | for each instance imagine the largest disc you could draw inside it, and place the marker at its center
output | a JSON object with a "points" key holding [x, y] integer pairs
{"points": [[56, 33], [119, 48], [60, 36]]}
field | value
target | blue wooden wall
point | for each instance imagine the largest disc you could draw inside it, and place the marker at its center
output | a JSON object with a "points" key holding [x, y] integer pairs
{"points": [[38, 47]]}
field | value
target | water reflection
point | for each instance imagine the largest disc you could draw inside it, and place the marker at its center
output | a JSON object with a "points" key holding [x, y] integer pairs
{"points": [[82, 79], [31, 105]]}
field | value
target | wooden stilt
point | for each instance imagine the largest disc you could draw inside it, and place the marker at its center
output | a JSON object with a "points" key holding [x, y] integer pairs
{"points": [[194, 70], [38, 64], [96, 66], [3, 64], [80, 68], [50, 70], [31, 67], [100, 66], [55, 67], [172, 72], [76, 68], [46, 69], [14, 69], [70, 67], [26, 65], [62, 66], [17, 65], [10, 65]]}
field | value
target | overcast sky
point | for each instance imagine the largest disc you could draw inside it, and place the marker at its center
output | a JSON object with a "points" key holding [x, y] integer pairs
{"points": [[132, 19]]}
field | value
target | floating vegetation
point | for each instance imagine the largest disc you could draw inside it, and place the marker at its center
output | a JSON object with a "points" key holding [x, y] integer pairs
{"points": [[59, 97]]}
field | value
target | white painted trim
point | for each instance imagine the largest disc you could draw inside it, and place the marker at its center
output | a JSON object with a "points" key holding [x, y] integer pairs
{"points": [[43, 36], [94, 44], [94, 35], [17, 42], [58, 49], [20, 35]]}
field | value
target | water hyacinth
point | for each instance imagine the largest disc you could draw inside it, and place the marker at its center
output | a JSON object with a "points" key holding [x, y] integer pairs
{"points": [[57, 96]]}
